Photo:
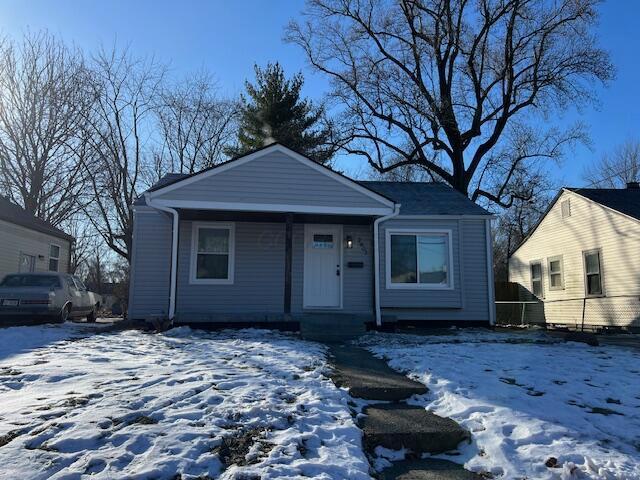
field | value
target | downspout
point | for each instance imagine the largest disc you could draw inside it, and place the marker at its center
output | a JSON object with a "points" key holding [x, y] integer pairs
{"points": [[491, 286], [376, 261], [174, 252]]}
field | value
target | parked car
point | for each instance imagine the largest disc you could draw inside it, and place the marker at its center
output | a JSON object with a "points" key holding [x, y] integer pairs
{"points": [[56, 296]]}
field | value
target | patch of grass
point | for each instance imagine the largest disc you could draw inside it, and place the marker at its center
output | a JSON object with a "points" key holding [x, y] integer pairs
{"points": [[143, 420], [10, 436], [233, 449]]}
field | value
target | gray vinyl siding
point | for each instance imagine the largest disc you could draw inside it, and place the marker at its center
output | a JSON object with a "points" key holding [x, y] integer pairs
{"points": [[16, 239], [590, 226], [150, 265], [468, 300], [273, 179], [258, 287]]}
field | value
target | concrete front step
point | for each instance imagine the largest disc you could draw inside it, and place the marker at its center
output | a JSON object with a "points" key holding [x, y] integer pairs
{"points": [[398, 425], [369, 377], [427, 469], [331, 328]]}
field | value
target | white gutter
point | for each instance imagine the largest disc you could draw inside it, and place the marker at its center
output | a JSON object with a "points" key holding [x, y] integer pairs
{"points": [[174, 252], [490, 286], [376, 261]]}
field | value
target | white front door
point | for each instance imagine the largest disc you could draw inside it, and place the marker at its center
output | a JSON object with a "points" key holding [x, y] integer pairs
{"points": [[322, 266]]}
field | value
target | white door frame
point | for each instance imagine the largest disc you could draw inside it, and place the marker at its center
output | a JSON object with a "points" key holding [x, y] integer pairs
{"points": [[307, 228]]}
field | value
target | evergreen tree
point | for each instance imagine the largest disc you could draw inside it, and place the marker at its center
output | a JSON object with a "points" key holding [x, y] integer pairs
{"points": [[273, 111]]}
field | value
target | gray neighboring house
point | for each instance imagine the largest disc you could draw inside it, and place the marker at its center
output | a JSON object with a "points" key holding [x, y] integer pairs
{"points": [[30, 244], [274, 237], [582, 259]]}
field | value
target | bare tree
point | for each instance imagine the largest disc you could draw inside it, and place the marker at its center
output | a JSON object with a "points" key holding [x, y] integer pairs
{"points": [[43, 103], [120, 127], [85, 242], [442, 83], [516, 222], [616, 169], [196, 126]]}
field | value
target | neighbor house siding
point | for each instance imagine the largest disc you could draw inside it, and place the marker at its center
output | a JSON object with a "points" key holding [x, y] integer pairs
{"points": [[150, 265], [467, 301], [590, 226], [16, 239], [273, 179]]}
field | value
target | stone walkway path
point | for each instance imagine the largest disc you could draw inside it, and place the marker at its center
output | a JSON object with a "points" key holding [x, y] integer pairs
{"points": [[396, 424]]}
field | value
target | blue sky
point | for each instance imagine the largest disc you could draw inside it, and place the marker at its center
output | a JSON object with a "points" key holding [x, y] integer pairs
{"points": [[227, 37]]}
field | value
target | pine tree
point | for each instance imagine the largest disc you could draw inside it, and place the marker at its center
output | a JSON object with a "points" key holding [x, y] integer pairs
{"points": [[273, 111]]}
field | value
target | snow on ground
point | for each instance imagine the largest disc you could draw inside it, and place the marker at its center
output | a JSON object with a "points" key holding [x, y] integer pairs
{"points": [[77, 402], [527, 397]]}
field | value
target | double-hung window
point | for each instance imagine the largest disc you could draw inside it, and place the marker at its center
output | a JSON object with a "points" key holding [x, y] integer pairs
{"points": [[556, 273], [536, 278], [419, 259], [212, 253], [593, 273], [54, 258]]}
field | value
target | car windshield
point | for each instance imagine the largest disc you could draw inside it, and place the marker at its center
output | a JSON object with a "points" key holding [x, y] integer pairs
{"points": [[30, 281]]}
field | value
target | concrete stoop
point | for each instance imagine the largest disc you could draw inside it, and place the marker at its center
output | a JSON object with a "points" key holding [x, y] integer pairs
{"points": [[397, 425], [331, 328]]}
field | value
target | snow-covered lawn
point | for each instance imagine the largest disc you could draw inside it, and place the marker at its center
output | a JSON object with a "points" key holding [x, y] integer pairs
{"points": [[527, 397], [76, 402]]}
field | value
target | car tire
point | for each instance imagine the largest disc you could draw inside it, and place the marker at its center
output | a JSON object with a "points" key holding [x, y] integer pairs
{"points": [[91, 318], [65, 314]]}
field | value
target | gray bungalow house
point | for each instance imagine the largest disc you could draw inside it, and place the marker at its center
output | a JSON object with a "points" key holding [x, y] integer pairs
{"points": [[274, 237]]}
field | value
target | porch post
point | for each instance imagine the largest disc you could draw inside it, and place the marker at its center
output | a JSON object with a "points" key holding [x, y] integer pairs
{"points": [[288, 260]]}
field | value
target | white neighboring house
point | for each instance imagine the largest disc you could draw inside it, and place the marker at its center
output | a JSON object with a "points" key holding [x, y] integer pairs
{"points": [[30, 244], [582, 259]]}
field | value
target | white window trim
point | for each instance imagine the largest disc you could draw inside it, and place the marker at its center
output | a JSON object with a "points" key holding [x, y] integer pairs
{"points": [[418, 286], [531, 264], [600, 272], [195, 227], [553, 259], [54, 258]]}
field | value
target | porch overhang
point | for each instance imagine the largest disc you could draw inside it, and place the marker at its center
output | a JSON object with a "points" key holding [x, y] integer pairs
{"points": [[271, 207]]}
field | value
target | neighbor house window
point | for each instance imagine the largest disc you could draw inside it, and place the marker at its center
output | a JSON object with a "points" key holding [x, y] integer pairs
{"points": [[419, 259], [536, 278], [212, 253], [593, 273], [54, 258], [556, 276]]}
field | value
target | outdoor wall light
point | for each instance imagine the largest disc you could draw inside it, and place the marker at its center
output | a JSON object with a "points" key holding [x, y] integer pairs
{"points": [[349, 241]]}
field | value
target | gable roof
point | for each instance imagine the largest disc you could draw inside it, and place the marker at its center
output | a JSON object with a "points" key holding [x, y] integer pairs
{"points": [[176, 181], [426, 198], [415, 198], [622, 200], [12, 213]]}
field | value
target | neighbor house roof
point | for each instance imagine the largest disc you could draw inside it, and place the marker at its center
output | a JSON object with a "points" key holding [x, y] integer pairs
{"points": [[623, 200], [12, 213], [426, 198]]}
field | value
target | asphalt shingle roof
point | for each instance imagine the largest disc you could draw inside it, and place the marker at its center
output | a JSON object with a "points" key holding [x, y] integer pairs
{"points": [[625, 200], [423, 198], [12, 213], [416, 198]]}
